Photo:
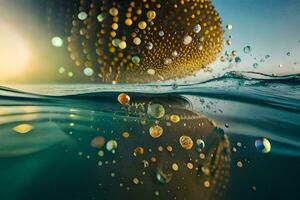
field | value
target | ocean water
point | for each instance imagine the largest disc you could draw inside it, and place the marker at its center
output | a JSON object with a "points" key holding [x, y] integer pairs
{"points": [[68, 141]]}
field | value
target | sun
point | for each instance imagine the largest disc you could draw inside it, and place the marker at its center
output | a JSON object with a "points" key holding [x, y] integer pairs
{"points": [[13, 53]]}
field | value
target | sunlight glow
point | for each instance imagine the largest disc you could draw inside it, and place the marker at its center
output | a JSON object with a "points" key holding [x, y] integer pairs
{"points": [[13, 53]]}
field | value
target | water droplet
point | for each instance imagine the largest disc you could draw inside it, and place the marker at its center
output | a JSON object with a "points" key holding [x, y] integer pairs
{"points": [[247, 49], [88, 71]]}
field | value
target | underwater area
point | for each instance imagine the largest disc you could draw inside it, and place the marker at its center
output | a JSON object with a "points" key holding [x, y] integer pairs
{"points": [[149, 99]]}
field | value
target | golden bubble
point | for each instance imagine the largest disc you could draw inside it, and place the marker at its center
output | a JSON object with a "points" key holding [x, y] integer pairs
{"points": [[23, 128], [174, 118], [239, 164], [206, 184], [123, 99], [153, 159], [160, 148], [169, 148], [114, 26], [128, 22], [125, 134], [138, 151], [98, 142], [151, 14], [190, 165], [122, 45], [156, 131], [113, 12], [186, 142], [137, 41], [142, 25], [136, 181], [175, 167]]}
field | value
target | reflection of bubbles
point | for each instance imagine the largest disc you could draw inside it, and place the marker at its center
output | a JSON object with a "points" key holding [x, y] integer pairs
{"points": [[57, 41]]}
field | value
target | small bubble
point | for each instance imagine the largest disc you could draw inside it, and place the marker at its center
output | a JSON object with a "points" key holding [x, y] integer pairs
{"points": [[247, 49], [161, 33], [255, 65], [229, 27], [187, 40], [82, 15], [197, 28], [57, 41], [88, 71]]}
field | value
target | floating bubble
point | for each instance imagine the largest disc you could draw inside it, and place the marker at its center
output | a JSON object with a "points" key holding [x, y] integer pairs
{"points": [[175, 118], [111, 145], [187, 40], [136, 59], [238, 59], [263, 145], [23, 128], [186, 142], [151, 14], [175, 167], [122, 45], [156, 110], [197, 28], [229, 26], [138, 151], [239, 164], [82, 15], [155, 131], [100, 17], [137, 41], [88, 71], [136, 181], [149, 46], [247, 49], [61, 70], [163, 177], [288, 53], [113, 12], [98, 142], [125, 134], [190, 165], [167, 61], [200, 145], [123, 99], [151, 72], [57, 41], [142, 25], [161, 33], [115, 42], [255, 65]]}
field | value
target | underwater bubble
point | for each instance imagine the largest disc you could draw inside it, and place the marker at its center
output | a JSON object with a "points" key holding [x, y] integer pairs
{"points": [[57, 41], [136, 59], [239, 164], [98, 142], [174, 118], [88, 71], [151, 14], [149, 46], [161, 33], [122, 45], [229, 27], [197, 28], [100, 17], [247, 49], [263, 145], [190, 165], [61, 70], [136, 181], [82, 15], [186, 142], [113, 11], [151, 72], [115, 42], [238, 59], [70, 74], [142, 25], [156, 110], [175, 167], [138, 151], [206, 184], [167, 61], [125, 134], [137, 41], [155, 131], [111, 145], [200, 47], [123, 99], [163, 177], [175, 53], [255, 65], [288, 53], [200, 145], [187, 40], [23, 128]]}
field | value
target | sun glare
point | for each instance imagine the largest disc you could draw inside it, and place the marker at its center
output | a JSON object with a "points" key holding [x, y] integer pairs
{"points": [[13, 53]]}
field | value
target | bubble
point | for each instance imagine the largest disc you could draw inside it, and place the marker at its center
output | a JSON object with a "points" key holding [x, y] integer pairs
{"points": [[263, 145], [267, 56], [98, 142], [70, 74], [111, 145], [137, 41], [136, 59], [156, 110], [123, 99], [197, 28], [142, 25], [125, 134], [115, 42], [113, 12], [149, 46], [88, 71], [175, 53], [167, 61], [61, 70], [288, 53], [23, 128], [100, 17], [175, 167], [186, 142], [138, 151], [239, 164], [151, 14], [57, 41], [200, 47], [247, 49], [151, 72], [190, 165], [206, 184], [161, 33], [174, 86], [229, 27], [174, 118], [136, 181], [122, 45], [238, 59], [155, 131], [255, 65], [187, 40], [163, 177], [82, 15], [128, 22], [200, 145]]}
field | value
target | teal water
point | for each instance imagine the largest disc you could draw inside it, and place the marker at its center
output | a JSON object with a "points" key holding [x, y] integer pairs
{"points": [[55, 159]]}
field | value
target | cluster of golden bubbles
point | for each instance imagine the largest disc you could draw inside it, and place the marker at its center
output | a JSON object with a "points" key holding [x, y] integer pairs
{"points": [[144, 40]]}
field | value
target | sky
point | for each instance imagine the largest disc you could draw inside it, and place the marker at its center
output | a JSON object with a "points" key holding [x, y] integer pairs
{"points": [[270, 27]]}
